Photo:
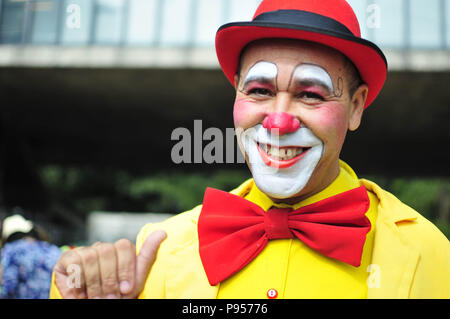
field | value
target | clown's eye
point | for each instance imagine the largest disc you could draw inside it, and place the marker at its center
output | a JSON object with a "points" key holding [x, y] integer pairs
{"points": [[310, 96], [260, 92]]}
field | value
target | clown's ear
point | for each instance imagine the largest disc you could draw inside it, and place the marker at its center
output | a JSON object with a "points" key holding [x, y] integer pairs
{"points": [[357, 103]]}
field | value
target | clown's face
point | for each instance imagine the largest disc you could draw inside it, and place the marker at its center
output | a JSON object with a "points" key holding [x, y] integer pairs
{"points": [[292, 112]]}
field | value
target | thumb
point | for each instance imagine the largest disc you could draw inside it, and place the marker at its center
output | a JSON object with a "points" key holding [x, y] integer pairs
{"points": [[146, 258], [61, 278]]}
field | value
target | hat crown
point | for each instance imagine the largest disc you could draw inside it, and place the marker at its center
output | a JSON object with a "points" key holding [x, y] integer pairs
{"points": [[338, 10]]}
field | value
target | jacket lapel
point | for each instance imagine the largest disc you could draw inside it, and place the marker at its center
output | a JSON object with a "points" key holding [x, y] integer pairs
{"points": [[394, 259]]}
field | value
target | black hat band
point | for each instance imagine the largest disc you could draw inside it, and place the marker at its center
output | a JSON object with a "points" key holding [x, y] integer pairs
{"points": [[298, 18]]}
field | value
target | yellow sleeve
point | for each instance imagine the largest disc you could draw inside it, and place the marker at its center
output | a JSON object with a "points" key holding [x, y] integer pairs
{"points": [[154, 286], [54, 291]]}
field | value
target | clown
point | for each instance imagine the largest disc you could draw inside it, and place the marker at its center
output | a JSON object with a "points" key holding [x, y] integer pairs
{"points": [[304, 226]]}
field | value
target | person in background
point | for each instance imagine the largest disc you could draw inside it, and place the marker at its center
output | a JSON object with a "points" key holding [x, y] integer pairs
{"points": [[27, 260]]}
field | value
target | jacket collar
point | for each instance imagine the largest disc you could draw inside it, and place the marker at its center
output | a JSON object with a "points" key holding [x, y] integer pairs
{"points": [[405, 214]]}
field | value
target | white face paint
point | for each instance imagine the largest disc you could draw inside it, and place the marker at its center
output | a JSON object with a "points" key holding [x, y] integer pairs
{"points": [[310, 74], [282, 182], [264, 72]]}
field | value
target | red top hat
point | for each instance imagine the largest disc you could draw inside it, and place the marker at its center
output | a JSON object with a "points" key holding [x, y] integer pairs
{"points": [[329, 22]]}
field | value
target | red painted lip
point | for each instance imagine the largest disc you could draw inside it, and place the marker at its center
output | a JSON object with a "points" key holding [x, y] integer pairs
{"points": [[269, 161]]}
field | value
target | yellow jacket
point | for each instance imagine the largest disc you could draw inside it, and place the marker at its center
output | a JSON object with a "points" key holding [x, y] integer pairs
{"points": [[411, 257]]}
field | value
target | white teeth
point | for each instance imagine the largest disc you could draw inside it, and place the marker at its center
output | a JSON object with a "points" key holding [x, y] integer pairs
{"points": [[283, 154], [275, 151]]}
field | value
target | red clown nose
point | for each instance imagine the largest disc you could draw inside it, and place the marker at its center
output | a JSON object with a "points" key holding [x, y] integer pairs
{"points": [[283, 122]]}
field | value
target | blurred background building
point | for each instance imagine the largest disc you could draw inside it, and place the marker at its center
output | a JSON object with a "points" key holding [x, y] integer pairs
{"points": [[91, 91]]}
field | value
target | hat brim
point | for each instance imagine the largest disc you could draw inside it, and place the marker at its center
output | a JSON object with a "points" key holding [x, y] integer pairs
{"points": [[371, 63]]}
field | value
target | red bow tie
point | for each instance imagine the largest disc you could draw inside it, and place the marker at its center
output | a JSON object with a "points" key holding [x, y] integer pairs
{"points": [[232, 231]]}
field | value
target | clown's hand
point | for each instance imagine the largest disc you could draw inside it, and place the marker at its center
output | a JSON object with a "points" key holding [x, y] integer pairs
{"points": [[106, 270]]}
